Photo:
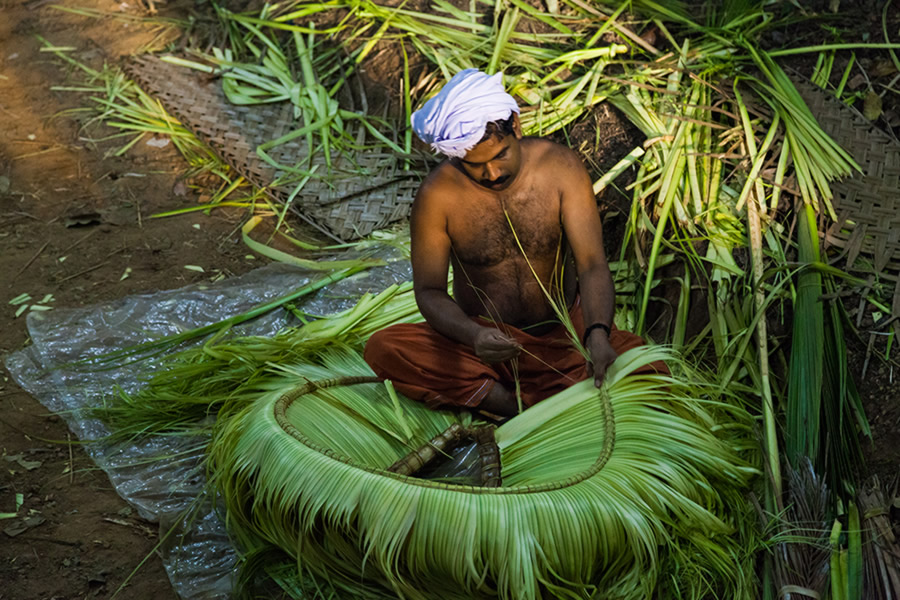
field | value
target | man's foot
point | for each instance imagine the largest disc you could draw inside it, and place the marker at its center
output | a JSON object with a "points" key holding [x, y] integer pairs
{"points": [[499, 401]]}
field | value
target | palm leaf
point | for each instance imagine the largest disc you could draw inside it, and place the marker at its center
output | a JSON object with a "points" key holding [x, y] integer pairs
{"points": [[195, 382], [603, 490]]}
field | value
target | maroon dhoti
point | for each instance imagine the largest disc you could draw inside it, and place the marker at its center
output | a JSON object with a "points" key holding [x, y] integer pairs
{"points": [[427, 366]]}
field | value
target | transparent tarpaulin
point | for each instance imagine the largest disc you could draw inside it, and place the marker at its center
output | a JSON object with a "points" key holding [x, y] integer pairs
{"points": [[162, 476]]}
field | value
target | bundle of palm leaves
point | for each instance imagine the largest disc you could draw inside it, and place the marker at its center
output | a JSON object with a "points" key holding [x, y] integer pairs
{"points": [[637, 488]]}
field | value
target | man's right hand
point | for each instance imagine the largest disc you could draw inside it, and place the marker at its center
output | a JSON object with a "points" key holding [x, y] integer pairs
{"points": [[492, 346]]}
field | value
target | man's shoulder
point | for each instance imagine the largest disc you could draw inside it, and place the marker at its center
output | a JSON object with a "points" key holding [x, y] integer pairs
{"points": [[549, 152], [548, 156], [443, 178]]}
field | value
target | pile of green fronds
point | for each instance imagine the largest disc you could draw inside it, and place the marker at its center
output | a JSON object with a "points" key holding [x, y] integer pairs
{"points": [[310, 71], [196, 382], [637, 489]]}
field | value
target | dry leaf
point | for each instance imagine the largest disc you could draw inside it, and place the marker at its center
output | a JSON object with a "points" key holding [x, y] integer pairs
{"points": [[883, 68], [872, 106], [856, 82], [28, 465]]}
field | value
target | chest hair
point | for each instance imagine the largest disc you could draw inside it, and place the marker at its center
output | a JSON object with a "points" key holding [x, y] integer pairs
{"points": [[493, 232]]}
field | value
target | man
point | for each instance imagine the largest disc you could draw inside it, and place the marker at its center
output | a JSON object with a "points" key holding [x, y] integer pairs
{"points": [[517, 219]]}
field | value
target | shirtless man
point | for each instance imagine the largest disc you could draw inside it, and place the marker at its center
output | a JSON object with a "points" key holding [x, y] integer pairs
{"points": [[496, 191]]}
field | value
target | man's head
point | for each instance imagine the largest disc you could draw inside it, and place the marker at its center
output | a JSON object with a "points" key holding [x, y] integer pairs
{"points": [[500, 129], [455, 120], [495, 161]]}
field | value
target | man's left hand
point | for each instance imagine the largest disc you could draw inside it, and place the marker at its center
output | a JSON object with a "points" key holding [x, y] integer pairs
{"points": [[602, 355]]}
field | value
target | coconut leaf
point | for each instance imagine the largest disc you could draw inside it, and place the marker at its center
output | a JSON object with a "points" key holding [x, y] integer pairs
{"points": [[196, 382], [602, 489]]}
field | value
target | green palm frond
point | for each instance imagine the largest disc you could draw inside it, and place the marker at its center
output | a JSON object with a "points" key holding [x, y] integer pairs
{"points": [[195, 382], [607, 493]]}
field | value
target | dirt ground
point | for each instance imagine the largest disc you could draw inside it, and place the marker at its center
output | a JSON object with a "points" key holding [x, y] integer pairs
{"points": [[72, 223]]}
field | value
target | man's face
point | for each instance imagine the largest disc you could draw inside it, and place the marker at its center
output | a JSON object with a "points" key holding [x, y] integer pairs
{"points": [[494, 163]]}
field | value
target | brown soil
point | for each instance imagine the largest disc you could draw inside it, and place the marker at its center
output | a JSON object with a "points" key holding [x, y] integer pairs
{"points": [[72, 221]]}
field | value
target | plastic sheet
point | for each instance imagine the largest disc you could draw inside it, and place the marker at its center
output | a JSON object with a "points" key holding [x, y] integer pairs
{"points": [[463, 466], [161, 476]]}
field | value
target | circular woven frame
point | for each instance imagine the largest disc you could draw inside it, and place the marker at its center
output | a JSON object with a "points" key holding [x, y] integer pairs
{"points": [[287, 399], [363, 529]]}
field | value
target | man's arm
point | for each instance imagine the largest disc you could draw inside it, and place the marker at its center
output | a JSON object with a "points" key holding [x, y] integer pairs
{"points": [[584, 231], [431, 262]]}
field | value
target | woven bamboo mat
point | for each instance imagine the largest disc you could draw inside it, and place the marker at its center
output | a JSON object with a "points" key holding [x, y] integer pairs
{"points": [[867, 230], [341, 203]]}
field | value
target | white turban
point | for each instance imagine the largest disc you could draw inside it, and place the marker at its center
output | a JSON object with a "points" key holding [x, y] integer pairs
{"points": [[454, 120]]}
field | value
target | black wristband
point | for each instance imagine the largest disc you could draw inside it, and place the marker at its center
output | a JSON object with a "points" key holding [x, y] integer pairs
{"points": [[591, 328]]}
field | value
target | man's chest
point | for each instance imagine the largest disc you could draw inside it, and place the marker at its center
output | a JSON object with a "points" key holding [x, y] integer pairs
{"points": [[493, 229]]}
